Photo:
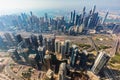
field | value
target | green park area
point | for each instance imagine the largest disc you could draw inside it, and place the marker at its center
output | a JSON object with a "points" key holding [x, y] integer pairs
{"points": [[115, 61]]}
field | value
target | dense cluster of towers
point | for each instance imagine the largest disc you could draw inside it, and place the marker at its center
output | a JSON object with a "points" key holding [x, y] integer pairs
{"points": [[77, 24], [45, 53]]}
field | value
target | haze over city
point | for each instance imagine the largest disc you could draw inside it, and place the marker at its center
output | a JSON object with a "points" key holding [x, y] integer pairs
{"points": [[14, 6], [59, 40]]}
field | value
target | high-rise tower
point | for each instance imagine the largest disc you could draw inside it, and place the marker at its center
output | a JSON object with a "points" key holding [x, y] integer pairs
{"points": [[100, 62], [105, 18], [94, 9]]}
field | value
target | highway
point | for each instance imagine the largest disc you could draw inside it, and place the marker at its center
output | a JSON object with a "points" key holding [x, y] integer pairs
{"points": [[116, 45], [4, 77], [10, 73], [20, 70]]}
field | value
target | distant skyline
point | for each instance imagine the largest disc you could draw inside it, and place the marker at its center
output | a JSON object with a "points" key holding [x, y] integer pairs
{"points": [[27, 5]]}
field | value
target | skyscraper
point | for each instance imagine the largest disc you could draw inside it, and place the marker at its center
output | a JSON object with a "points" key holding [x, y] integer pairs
{"points": [[57, 46], [15, 53], [18, 38], [8, 37], [83, 14], [1, 42], [73, 17], [25, 55], [34, 41], [62, 71], [77, 20], [46, 21], [93, 20], [40, 40], [63, 50], [86, 19], [94, 9], [27, 42], [46, 17], [41, 53], [83, 59], [31, 13], [74, 57], [100, 62], [67, 45], [105, 18], [84, 9], [53, 44], [48, 45]]}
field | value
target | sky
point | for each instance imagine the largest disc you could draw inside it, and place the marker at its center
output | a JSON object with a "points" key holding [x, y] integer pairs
{"points": [[19, 5]]}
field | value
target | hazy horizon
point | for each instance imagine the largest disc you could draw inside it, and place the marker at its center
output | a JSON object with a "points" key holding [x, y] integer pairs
{"points": [[14, 6]]}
